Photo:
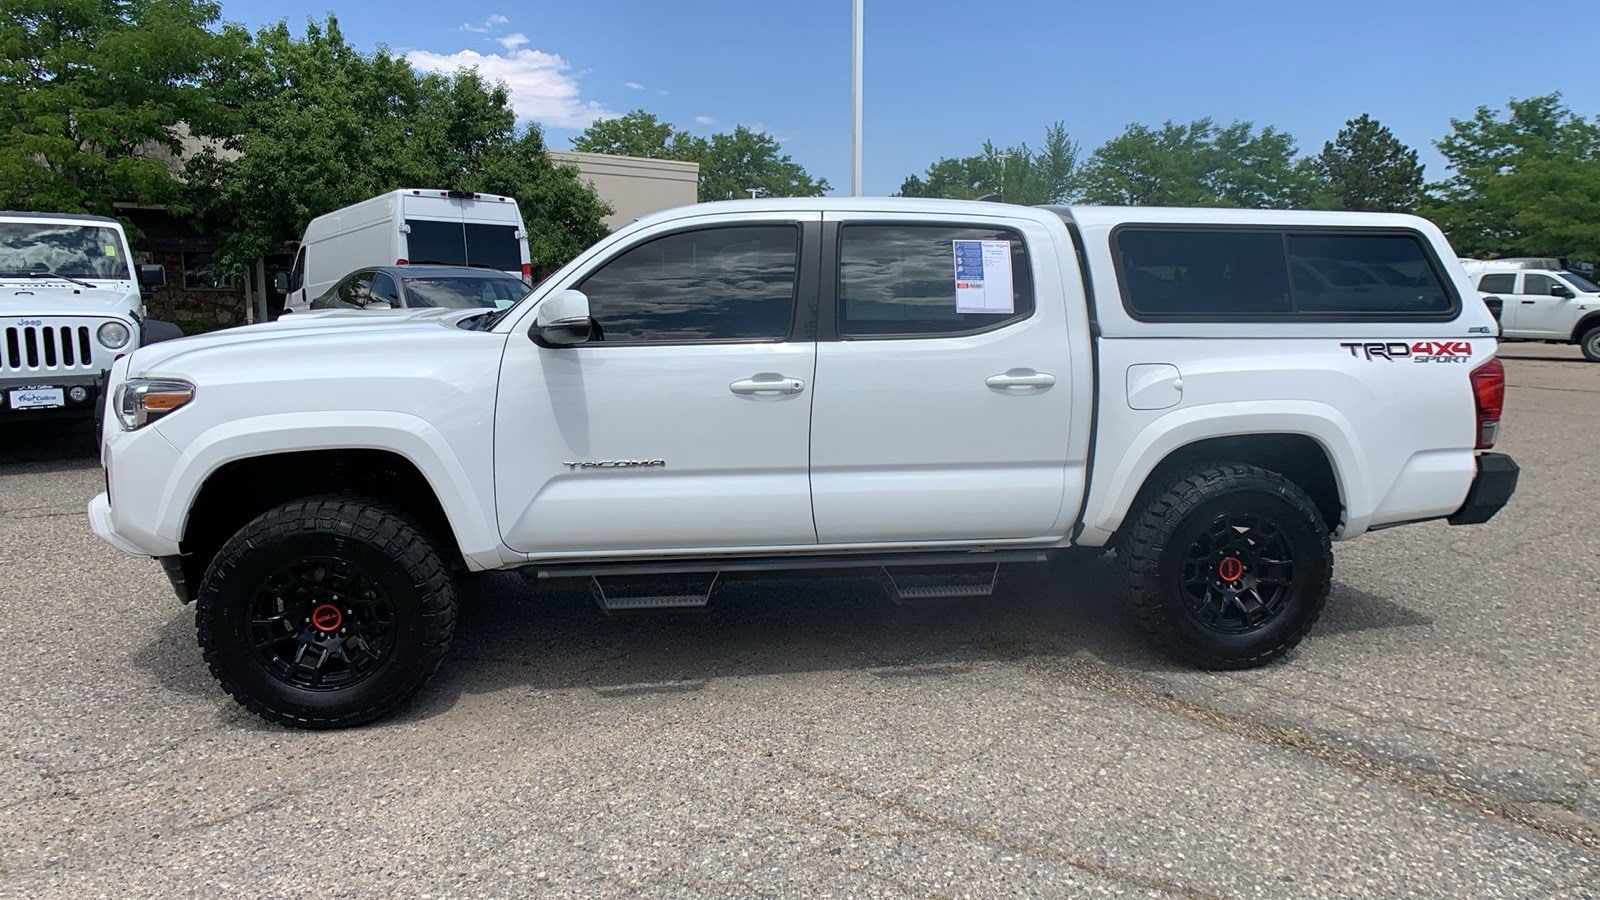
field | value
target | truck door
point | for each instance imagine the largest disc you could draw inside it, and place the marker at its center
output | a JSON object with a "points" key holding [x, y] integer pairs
{"points": [[1540, 313], [684, 422], [943, 398]]}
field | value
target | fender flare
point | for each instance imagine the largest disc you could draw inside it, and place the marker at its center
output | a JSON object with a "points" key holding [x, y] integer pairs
{"points": [[1115, 487], [404, 434]]}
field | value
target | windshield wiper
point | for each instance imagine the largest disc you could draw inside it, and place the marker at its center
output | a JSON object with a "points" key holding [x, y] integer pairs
{"points": [[46, 275]]}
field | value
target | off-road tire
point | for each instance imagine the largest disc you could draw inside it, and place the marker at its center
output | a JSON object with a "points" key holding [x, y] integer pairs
{"points": [[1590, 344], [1158, 538], [387, 545]]}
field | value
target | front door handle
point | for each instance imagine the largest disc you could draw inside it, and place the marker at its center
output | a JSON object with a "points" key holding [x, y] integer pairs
{"points": [[768, 383], [1020, 378]]}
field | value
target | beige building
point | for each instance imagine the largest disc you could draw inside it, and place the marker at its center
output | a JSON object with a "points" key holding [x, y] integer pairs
{"points": [[633, 185]]}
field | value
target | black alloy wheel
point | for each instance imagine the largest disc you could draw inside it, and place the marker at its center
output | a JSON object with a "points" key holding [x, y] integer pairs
{"points": [[321, 623], [1238, 574]]}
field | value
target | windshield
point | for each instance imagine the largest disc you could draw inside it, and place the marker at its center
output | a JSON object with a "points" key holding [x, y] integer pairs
{"points": [[1581, 284], [463, 293], [84, 251]]}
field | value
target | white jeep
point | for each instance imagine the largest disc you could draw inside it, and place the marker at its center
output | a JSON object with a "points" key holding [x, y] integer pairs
{"points": [[923, 390], [69, 304]]}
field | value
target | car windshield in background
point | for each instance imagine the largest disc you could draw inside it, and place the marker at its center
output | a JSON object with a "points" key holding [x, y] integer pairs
{"points": [[463, 293], [81, 251], [454, 244], [1581, 283]]}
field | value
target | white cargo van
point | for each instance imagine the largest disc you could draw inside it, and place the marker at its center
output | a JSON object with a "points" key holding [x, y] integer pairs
{"points": [[407, 227]]}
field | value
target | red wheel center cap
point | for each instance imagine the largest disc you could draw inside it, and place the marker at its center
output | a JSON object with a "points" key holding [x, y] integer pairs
{"points": [[327, 617], [1230, 569]]}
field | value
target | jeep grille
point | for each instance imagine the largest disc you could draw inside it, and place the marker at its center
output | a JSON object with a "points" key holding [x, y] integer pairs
{"points": [[47, 348]]}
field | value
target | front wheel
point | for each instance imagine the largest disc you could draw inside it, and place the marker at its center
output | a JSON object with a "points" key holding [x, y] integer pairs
{"points": [[1590, 343], [1229, 567], [325, 612]]}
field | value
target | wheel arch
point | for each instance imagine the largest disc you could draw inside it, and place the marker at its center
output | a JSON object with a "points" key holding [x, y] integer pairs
{"points": [[1314, 448], [1592, 320]]}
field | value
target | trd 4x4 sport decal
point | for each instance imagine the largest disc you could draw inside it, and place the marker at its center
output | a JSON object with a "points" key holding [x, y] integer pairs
{"points": [[1417, 351]]}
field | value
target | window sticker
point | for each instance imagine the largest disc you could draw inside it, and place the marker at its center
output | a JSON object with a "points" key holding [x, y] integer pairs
{"points": [[983, 277]]}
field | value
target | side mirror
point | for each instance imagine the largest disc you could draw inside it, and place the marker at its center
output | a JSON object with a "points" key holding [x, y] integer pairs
{"points": [[1562, 291], [280, 282], [562, 320], [152, 275]]}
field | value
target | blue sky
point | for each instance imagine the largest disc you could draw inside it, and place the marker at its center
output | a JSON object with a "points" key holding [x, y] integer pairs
{"points": [[941, 77]]}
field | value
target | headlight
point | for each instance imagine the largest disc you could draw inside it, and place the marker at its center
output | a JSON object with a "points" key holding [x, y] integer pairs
{"points": [[140, 401], [114, 335]]}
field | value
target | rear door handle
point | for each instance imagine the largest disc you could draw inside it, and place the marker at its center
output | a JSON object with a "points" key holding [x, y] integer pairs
{"points": [[768, 383], [1020, 378]]}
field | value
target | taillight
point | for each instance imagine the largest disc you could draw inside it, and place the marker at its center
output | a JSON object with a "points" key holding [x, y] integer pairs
{"points": [[527, 272], [1489, 396], [399, 262]]}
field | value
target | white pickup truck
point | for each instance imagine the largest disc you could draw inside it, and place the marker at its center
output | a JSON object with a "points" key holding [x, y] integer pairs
{"points": [[926, 390]]}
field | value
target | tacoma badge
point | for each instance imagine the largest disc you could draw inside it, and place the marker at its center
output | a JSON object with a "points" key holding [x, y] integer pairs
{"points": [[615, 464]]}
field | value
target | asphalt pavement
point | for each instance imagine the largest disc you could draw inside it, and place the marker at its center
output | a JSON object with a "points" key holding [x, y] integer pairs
{"points": [[1437, 734]]}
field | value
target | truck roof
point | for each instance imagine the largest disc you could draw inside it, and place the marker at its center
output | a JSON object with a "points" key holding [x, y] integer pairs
{"points": [[1084, 216], [53, 217]]}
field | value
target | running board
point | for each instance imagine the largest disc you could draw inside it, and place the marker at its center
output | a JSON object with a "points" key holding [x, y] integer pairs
{"points": [[626, 593], [913, 584], [708, 566]]}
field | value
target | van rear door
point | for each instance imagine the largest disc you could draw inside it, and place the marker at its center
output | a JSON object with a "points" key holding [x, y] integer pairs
{"points": [[471, 230]]}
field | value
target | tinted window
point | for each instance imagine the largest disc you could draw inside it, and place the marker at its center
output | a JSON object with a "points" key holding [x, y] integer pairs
{"points": [[444, 243], [1583, 284], [901, 279], [1502, 283], [463, 293], [494, 247], [1357, 273], [718, 284], [1537, 284], [1201, 273], [383, 289], [357, 290]]}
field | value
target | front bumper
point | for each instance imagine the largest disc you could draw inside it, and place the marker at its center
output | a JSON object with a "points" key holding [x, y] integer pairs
{"points": [[1491, 489], [100, 523], [89, 405]]}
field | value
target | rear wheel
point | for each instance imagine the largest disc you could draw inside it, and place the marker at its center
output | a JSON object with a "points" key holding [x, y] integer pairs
{"points": [[1229, 567], [325, 612], [1590, 342]]}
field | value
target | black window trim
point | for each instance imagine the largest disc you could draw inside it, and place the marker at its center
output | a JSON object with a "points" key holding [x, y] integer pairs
{"points": [[802, 315], [1288, 231], [833, 252]]}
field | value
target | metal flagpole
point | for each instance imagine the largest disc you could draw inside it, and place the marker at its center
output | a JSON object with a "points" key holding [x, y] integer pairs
{"points": [[855, 103]]}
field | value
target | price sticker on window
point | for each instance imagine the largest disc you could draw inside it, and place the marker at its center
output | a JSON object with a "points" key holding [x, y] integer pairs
{"points": [[983, 277]]}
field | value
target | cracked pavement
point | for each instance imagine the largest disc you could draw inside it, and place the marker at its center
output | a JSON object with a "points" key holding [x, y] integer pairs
{"points": [[1437, 734]]}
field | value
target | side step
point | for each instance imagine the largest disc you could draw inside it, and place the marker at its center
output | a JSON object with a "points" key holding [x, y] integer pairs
{"points": [[626, 593], [911, 584]]}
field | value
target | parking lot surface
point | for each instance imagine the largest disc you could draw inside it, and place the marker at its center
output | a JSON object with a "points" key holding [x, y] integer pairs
{"points": [[1438, 733]]}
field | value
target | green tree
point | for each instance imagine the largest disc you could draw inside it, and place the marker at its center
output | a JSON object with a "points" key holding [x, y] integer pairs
{"points": [[92, 94], [1526, 184], [638, 133], [1199, 164], [1365, 168], [731, 164], [1017, 174], [316, 125]]}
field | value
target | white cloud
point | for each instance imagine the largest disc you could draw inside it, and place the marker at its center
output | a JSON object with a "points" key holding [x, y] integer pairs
{"points": [[488, 25], [513, 41], [541, 84], [704, 120], [633, 85], [497, 19]]}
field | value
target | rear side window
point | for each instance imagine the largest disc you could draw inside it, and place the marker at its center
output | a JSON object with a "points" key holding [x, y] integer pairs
{"points": [[1502, 283], [1206, 273], [901, 280]]}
